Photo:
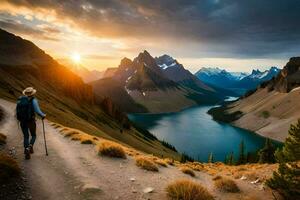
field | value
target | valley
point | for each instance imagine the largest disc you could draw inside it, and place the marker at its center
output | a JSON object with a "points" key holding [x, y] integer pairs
{"points": [[136, 130], [195, 133]]}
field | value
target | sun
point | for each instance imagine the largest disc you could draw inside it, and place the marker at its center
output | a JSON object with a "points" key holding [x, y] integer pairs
{"points": [[76, 57]]}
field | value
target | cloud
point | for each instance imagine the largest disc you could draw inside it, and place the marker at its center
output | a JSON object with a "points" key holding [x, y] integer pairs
{"points": [[226, 27], [42, 31]]}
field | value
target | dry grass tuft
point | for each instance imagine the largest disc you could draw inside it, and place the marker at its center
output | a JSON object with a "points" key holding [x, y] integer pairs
{"points": [[195, 166], [56, 126], [146, 163], [2, 139], [187, 190], [188, 171], [161, 162], [226, 185], [111, 149], [69, 133], [169, 161], [216, 177], [8, 168]]}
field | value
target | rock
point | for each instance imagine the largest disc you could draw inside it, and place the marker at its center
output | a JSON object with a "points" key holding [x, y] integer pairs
{"points": [[134, 191], [256, 181], [132, 179], [90, 188], [148, 190]]}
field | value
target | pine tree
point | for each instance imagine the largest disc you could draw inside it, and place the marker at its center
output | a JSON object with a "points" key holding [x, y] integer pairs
{"points": [[231, 159], [241, 158], [266, 154], [287, 179], [211, 158]]}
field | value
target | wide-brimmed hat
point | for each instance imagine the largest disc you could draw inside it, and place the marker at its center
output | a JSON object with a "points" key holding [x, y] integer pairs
{"points": [[30, 91]]}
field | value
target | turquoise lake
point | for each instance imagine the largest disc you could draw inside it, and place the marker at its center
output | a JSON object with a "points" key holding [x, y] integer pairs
{"points": [[195, 133]]}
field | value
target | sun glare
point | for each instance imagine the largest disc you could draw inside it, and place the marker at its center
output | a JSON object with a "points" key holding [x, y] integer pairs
{"points": [[76, 57]]}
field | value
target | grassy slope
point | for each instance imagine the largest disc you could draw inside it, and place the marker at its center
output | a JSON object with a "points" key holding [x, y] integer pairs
{"points": [[117, 93], [268, 113], [87, 117]]}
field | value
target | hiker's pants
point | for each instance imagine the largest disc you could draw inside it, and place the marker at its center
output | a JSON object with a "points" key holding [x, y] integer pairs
{"points": [[27, 127]]}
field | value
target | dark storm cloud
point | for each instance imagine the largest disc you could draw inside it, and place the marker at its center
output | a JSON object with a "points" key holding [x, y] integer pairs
{"points": [[245, 28]]}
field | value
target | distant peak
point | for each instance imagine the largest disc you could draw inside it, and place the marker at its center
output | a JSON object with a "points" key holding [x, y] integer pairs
{"points": [[125, 62], [256, 71]]}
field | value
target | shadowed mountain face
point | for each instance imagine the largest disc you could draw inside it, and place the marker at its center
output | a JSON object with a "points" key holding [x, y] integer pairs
{"points": [[22, 59], [288, 78], [235, 81], [152, 82], [63, 96]]}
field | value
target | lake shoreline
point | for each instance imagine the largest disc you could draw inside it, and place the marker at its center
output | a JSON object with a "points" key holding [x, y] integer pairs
{"points": [[194, 132], [219, 114]]}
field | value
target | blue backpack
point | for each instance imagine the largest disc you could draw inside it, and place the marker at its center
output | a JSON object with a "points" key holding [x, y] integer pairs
{"points": [[25, 110]]}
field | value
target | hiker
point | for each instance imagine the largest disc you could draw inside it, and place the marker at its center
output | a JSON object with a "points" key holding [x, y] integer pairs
{"points": [[27, 106]]}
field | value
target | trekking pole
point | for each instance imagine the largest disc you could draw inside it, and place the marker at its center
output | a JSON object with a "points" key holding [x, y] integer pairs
{"points": [[45, 138]]}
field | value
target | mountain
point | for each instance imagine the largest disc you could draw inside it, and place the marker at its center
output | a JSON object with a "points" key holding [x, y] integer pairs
{"points": [[86, 75], [256, 77], [109, 72], [152, 86], [177, 73], [219, 77], [239, 82], [272, 107], [65, 98]]}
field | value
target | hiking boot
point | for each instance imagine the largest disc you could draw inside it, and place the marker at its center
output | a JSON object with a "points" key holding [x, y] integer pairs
{"points": [[27, 153], [31, 149]]}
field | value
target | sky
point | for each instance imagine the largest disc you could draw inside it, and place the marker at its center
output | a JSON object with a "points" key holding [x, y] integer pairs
{"points": [[237, 35]]}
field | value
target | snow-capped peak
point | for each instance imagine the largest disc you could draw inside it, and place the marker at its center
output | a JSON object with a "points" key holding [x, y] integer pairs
{"points": [[166, 61]]}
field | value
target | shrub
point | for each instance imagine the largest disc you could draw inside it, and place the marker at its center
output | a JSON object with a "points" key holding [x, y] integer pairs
{"points": [[2, 139], [8, 168], [188, 171], [86, 141], [226, 185], [146, 163], [265, 114], [111, 149], [187, 190], [287, 179]]}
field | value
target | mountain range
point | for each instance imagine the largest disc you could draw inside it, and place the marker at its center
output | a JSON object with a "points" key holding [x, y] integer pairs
{"points": [[148, 84], [239, 82], [271, 108]]}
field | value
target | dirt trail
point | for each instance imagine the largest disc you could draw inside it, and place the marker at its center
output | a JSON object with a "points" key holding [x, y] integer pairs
{"points": [[75, 171]]}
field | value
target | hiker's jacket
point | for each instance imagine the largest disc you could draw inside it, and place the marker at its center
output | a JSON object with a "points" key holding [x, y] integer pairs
{"points": [[36, 108]]}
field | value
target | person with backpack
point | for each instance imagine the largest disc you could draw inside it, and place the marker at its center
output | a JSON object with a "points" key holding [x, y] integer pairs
{"points": [[27, 106]]}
